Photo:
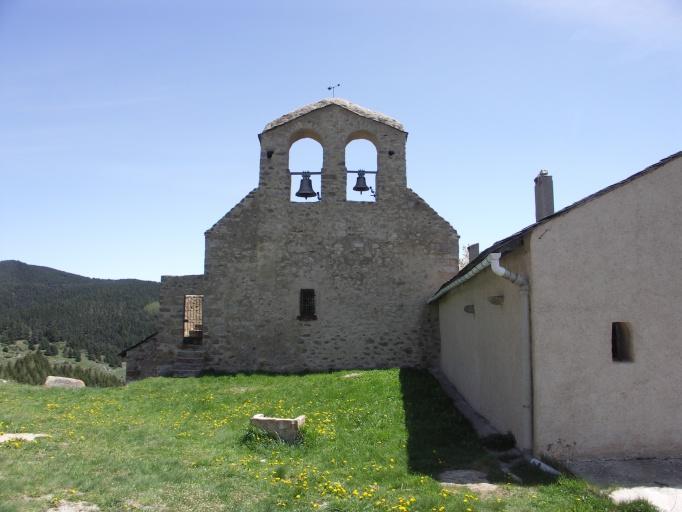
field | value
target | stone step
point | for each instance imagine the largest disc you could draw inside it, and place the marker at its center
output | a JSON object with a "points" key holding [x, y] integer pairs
{"points": [[185, 368], [191, 347], [188, 362], [185, 359]]}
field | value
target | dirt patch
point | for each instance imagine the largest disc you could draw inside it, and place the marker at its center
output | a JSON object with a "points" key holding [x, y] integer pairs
{"points": [[74, 506], [44, 497], [136, 505], [238, 390]]}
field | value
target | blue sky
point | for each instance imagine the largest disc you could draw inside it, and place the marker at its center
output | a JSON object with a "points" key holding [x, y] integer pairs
{"points": [[128, 127]]}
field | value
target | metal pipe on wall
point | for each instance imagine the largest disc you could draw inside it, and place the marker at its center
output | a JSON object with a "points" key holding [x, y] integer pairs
{"points": [[526, 444]]}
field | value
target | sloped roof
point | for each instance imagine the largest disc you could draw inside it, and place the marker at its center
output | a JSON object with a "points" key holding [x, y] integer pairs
{"points": [[511, 242], [356, 109]]}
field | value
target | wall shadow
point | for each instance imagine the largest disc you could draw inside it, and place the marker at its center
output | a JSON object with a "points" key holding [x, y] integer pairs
{"points": [[439, 438]]}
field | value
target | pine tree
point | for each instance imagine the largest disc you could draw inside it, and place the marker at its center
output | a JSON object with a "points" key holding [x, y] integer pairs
{"points": [[44, 345]]}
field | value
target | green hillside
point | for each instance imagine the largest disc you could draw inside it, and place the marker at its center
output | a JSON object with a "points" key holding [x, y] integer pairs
{"points": [[12, 353], [97, 317]]}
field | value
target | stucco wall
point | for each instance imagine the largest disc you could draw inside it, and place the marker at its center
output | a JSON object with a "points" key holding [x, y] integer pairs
{"points": [[481, 353], [372, 265], [615, 258]]}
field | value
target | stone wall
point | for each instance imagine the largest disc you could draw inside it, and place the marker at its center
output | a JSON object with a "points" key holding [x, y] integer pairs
{"points": [[171, 316], [144, 361], [372, 265]]}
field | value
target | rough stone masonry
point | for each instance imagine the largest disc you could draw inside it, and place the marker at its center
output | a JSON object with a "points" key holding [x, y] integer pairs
{"points": [[372, 265]]}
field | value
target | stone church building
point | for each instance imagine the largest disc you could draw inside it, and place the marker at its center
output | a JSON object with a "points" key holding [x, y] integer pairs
{"points": [[575, 352], [328, 283]]}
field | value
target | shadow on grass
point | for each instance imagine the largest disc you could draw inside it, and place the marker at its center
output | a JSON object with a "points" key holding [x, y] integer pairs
{"points": [[439, 438]]}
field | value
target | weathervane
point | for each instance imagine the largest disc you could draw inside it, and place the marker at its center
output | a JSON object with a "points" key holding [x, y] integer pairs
{"points": [[332, 87]]}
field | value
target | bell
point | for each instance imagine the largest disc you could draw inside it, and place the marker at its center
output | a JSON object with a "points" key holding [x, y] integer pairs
{"points": [[306, 188], [361, 183]]}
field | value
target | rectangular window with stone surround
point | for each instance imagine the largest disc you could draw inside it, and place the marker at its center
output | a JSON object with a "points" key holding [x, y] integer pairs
{"points": [[307, 305]]}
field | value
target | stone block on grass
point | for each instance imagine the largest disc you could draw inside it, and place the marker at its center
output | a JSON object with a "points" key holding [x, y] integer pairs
{"points": [[286, 429]]}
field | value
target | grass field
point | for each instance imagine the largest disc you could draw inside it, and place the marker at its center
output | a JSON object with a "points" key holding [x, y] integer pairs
{"points": [[372, 442]]}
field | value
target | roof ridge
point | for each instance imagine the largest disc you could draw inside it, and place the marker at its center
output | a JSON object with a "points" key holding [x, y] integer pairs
{"points": [[512, 241], [340, 102]]}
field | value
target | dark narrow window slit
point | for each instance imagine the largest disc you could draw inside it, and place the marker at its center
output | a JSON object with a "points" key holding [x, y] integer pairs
{"points": [[621, 342], [307, 305]]}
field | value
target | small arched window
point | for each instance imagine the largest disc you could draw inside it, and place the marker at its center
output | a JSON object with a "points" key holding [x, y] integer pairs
{"points": [[305, 155], [361, 155]]}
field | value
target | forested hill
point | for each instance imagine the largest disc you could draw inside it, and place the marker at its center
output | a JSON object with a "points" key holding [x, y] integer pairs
{"points": [[101, 316]]}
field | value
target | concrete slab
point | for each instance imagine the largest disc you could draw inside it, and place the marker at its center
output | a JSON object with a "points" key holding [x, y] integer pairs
{"points": [[631, 472], [658, 481]]}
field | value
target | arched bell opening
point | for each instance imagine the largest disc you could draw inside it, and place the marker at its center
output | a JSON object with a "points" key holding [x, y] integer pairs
{"points": [[361, 166], [305, 168]]}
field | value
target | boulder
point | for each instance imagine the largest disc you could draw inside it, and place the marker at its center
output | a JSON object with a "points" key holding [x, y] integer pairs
{"points": [[284, 428], [63, 382]]}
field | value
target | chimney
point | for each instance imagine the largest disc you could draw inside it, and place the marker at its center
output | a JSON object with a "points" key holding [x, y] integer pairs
{"points": [[472, 251], [544, 195]]}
